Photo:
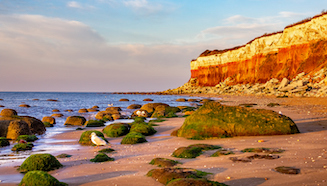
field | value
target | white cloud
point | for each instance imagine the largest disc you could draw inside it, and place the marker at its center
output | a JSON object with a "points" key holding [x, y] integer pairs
{"points": [[146, 8], [74, 4], [49, 54]]}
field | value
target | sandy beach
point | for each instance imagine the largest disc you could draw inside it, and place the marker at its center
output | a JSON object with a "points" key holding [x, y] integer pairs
{"points": [[306, 151]]}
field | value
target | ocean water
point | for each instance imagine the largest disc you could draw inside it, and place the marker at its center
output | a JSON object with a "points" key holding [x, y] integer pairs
{"points": [[40, 107]]}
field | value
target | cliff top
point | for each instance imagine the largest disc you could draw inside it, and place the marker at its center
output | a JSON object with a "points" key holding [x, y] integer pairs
{"points": [[214, 52]]}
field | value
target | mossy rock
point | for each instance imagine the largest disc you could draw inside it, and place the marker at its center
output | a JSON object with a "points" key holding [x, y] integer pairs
{"points": [[75, 120], [94, 123], [206, 146], [287, 170], [4, 142], [222, 152], [187, 109], [85, 138], [101, 157], [165, 175], [133, 138], [143, 128], [107, 150], [28, 138], [22, 146], [163, 162], [104, 115], [139, 119], [194, 181], [165, 112], [47, 124], [214, 120], [150, 107], [247, 104], [273, 104], [64, 156], [43, 162], [49, 119], [262, 149], [116, 130], [187, 152], [37, 178]]}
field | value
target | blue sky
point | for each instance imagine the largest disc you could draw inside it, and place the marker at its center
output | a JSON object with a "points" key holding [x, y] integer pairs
{"points": [[127, 45]]}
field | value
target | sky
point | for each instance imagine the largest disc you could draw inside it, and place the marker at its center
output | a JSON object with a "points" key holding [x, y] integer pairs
{"points": [[127, 45]]}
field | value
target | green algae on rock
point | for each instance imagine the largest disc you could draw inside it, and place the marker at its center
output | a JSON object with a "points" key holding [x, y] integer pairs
{"points": [[28, 138], [23, 146], [133, 138], [221, 152], [214, 120], [37, 178], [101, 157], [165, 175], [94, 123], [187, 152], [4, 142], [43, 162], [164, 162], [143, 128], [116, 130], [85, 138], [107, 150], [194, 181]]}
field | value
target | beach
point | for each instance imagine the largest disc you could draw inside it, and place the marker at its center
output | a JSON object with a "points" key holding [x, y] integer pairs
{"points": [[306, 151]]}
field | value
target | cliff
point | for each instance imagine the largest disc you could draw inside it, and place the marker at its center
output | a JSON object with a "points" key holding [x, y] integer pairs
{"points": [[301, 47]]}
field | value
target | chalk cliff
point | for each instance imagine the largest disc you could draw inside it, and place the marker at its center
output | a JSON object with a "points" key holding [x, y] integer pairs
{"points": [[301, 47]]}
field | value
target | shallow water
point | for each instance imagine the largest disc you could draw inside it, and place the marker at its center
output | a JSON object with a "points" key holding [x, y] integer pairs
{"points": [[40, 107]]}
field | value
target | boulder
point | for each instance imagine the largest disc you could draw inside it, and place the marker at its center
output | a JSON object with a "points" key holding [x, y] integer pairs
{"points": [[94, 123], [124, 99], [116, 129], [133, 138], [57, 115], [82, 110], [104, 115], [147, 99], [113, 110], [85, 138], [141, 113], [17, 128], [134, 106], [42, 162], [75, 120], [214, 120], [34, 178], [165, 111], [55, 110], [92, 110], [24, 105], [49, 119], [101, 157], [163, 162], [150, 107], [36, 126], [283, 83], [8, 112], [143, 128], [181, 100]]}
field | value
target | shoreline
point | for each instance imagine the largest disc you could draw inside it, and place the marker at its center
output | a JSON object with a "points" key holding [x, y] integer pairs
{"points": [[307, 151]]}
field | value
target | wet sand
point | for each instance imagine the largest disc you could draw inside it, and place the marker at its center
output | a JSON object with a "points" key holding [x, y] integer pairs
{"points": [[306, 151]]}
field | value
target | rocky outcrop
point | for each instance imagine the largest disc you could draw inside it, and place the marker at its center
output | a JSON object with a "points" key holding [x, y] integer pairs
{"points": [[299, 48], [75, 120]]}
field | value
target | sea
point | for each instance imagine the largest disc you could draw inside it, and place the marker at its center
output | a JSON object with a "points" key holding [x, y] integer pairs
{"points": [[40, 106]]}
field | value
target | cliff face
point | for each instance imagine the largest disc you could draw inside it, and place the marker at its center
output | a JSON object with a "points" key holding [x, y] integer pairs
{"points": [[298, 48]]}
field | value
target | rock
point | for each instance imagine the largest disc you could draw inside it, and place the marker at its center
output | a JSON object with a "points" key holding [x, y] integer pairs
{"points": [[143, 128], [22, 147], [221, 152], [49, 119], [57, 115], [63, 156], [82, 110], [2, 106], [116, 129], [193, 181], [283, 83], [95, 107], [4, 142], [34, 178], [94, 123], [42, 162], [187, 152], [69, 110], [92, 110], [124, 99], [113, 110], [27, 138], [150, 107], [24, 105], [165, 175], [85, 138], [104, 115], [36, 126], [181, 100], [75, 120], [214, 120], [17, 128], [55, 110], [134, 106], [163, 162], [133, 138], [8, 112], [101, 157], [54, 100], [116, 116], [287, 170], [147, 99]]}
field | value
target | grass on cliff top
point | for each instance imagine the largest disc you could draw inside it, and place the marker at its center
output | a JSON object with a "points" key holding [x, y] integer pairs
{"points": [[214, 120]]}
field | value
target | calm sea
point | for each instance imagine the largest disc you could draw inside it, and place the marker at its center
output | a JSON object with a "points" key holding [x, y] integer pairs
{"points": [[40, 107]]}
